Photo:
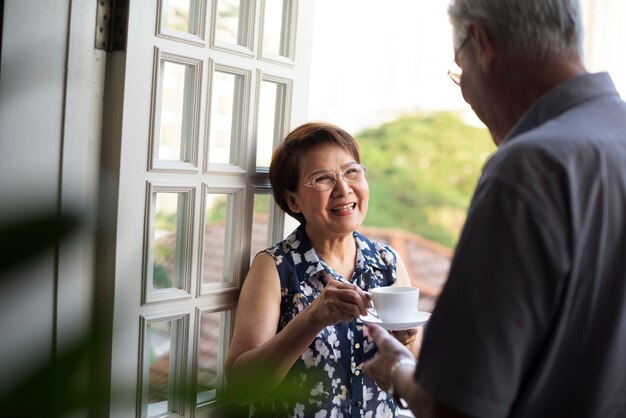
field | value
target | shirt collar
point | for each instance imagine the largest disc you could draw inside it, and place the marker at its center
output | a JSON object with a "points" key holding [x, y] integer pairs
{"points": [[367, 255], [562, 97]]}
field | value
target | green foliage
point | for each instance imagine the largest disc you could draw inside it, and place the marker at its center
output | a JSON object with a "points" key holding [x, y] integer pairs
{"points": [[24, 237], [59, 385], [218, 211], [160, 277], [166, 221], [164, 252], [257, 386], [422, 171], [262, 203]]}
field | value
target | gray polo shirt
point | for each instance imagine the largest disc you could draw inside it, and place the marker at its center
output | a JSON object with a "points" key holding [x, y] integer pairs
{"points": [[532, 319]]}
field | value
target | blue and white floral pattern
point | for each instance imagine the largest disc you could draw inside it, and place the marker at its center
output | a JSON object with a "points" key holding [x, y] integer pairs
{"points": [[329, 374]]}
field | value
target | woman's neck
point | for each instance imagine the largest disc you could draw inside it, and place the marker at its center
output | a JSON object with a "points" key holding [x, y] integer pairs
{"points": [[338, 252]]}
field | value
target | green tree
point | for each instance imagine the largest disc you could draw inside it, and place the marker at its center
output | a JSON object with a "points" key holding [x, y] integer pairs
{"points": [[423, 169]]}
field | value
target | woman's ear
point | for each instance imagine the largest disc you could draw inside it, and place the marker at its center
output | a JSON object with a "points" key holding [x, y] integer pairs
{"points": [[292, 202]]}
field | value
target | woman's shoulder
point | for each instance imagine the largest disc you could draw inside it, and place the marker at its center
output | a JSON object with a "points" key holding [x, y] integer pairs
{"points": [[294, 242]]}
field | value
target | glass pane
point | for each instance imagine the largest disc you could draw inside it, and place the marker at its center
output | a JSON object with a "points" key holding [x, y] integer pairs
{"points": [[270, 110], [209, 368], [217, 210], [175, 112], [226, 93], [273, 39], [260, 223], [158, 347], [183, 16], [169, 236], [230, 22]]}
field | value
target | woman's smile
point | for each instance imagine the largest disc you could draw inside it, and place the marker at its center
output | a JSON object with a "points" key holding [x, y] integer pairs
{"points": [[343, 209]]}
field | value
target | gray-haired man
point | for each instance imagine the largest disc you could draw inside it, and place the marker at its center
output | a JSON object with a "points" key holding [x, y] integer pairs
{"points": [[532, 320]]}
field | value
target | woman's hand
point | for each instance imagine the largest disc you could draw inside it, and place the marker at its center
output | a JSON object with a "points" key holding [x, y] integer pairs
{"points": [[339, 301], [409, 338]]}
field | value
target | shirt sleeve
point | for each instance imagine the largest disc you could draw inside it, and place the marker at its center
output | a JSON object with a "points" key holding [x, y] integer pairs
{"points": [[496, 305]]}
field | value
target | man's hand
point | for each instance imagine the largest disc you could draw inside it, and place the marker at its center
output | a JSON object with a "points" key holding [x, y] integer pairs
{"points": [[390, 351]]}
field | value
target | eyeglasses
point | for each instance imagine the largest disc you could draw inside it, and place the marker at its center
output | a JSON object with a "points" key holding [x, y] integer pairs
{"points": [[455, 72], [325, 181]]}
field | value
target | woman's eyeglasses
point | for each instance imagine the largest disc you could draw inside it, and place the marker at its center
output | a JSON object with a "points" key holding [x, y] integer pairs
{"points": [[327, 180]]}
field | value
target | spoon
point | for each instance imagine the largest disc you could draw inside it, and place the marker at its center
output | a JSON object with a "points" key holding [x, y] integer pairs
{"points": [[373, 312]]}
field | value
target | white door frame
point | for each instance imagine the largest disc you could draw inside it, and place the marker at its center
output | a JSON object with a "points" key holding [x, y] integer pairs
{"points": [[120, 253]]}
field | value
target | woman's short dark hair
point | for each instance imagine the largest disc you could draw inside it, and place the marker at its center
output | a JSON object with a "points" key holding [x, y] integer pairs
{"points": [[286, 162]]}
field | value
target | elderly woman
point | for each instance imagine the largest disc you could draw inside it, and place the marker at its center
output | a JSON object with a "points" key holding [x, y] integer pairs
{"points": [[298, 323]]}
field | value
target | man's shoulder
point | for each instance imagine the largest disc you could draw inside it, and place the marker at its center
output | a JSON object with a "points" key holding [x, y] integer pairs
{"points": [[578, 135], [523, 156]]}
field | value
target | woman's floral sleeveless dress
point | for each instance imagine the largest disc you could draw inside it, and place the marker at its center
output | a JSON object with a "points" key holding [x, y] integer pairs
{"points": [[328, 379]]}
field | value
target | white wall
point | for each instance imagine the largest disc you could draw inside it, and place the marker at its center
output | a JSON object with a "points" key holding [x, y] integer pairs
{"points": [[50, 107], [32, 80]]}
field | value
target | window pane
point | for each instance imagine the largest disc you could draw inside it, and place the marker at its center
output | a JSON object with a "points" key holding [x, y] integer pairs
{"points": [[216, 219], [209, 368], [163, 342], [169, 240], [260, 224], [227, 90], [231, 21], [177, 93], [183, 15], [159, 347], [270, 111], [277, 36], [273, 29], [164, 349]]}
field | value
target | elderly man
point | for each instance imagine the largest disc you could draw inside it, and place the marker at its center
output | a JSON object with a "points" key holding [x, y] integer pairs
{"points": [[532, 320]]}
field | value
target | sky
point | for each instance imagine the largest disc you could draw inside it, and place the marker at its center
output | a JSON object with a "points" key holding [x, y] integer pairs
{"points": [[374, 60]]}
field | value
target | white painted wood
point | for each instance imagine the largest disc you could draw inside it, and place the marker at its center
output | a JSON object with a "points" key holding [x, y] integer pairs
{"points": [[32, 89], [80, 173], [129, 125]]}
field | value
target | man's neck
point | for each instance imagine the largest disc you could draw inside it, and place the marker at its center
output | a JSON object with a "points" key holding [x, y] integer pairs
{"points": [[525, 84]]}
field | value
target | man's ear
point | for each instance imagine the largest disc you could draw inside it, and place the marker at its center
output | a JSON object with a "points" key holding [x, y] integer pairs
{"points": [[292, 202], [483, 44]]}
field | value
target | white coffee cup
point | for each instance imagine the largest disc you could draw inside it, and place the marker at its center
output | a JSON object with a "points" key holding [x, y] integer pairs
{"points": [[395, 303]]}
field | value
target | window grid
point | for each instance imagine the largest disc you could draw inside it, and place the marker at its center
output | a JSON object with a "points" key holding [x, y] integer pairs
{"points": [[233, 226], [183, 244], [271, 132], [194, 173], [204, 393], [163, 359], [189, 114], [194, 33], [236, 127], [244, 38], [284, 52]]}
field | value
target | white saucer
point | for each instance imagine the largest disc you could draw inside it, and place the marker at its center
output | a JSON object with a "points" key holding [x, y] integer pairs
{"points": [[419, 318]]}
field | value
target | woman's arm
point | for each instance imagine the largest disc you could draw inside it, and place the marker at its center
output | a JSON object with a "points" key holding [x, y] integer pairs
{"points": [[259, 358]]}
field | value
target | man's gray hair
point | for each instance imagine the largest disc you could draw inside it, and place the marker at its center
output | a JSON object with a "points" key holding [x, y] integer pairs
{"points": [[528, 29]]}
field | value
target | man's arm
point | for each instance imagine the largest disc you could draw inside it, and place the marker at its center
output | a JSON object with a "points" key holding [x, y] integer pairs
{"points": [[394, 366]]}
